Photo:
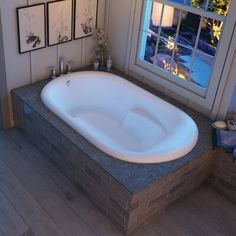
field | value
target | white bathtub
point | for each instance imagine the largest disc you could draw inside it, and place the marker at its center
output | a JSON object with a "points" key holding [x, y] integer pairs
{"points": [[120, 118]]}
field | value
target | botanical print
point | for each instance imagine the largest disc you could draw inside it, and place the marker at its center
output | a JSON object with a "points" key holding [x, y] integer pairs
{"points": [[59, 22], [31, 24], [85, 17]]}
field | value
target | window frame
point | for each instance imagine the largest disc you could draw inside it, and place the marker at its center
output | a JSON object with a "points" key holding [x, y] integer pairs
{"points": [[193, 92]]}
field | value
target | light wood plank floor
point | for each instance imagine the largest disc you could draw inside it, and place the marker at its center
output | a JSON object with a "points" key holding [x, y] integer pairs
{"points": [[36, 199]]}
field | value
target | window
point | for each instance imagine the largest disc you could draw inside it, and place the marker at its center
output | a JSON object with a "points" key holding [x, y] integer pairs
{"points": [[180, 41]]}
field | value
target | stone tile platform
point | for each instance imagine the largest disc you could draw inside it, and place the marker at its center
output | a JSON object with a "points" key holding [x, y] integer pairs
{"points": [[130, 194], [223, 174]]}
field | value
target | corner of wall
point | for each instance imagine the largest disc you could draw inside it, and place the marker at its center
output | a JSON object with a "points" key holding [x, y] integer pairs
{"points": [[4, 105]]}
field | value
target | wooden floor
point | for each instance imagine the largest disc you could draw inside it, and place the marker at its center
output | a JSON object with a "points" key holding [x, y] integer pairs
{"points": [[36, 199]]}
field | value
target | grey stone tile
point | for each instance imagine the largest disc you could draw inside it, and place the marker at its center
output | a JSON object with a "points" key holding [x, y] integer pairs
{"points": [[133, 176], [130, 194]]}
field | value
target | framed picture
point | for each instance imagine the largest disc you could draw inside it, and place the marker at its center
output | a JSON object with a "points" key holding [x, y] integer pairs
{"points": [[31, 27], [59, 22], [85, 17]]}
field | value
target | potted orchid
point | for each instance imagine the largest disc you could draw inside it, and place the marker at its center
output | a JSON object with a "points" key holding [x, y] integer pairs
{"points": [[102, 48]]}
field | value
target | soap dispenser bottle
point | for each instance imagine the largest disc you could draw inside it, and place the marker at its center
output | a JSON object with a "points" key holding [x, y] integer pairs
{"points": [[109, 63]]}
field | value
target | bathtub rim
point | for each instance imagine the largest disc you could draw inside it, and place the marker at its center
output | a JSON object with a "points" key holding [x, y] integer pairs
{"points": [[134, 157]]}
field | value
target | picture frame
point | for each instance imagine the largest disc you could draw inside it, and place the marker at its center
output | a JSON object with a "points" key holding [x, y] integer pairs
{"points": [[31, 24], [85, 17], [59, 21]]}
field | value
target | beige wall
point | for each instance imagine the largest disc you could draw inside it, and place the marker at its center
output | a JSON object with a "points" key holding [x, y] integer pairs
{"points": [[228, 100], [22, 69], [4, 108], [120, 18], [232, 76], [232, 108]]}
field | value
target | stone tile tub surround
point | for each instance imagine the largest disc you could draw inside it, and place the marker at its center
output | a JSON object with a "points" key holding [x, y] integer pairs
{"points": [[131, 194], [223, 175]]}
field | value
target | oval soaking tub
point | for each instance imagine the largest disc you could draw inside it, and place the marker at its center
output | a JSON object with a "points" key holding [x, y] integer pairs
{"points": [[120, 118]]}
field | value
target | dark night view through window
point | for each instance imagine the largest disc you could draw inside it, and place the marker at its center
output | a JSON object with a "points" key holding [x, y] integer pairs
{"points": [[180, 37]]}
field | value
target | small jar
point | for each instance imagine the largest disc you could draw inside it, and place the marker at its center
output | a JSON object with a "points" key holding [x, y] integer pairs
{"points": [[95, 65]]}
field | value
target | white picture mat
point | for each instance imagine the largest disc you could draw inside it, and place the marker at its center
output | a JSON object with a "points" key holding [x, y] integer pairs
{"points": [[60, 22], [85, 9], [31, 23]]}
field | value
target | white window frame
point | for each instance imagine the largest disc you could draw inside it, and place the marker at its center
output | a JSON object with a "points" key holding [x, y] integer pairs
{"points": [[203, 97]]}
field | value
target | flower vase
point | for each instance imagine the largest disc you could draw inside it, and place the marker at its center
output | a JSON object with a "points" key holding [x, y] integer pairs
{"points": [[102, 65]]}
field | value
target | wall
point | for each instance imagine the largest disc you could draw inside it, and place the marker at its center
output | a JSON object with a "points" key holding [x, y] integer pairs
{"points": [[227, 106], [3, 86], [232, 108], [22, 69], [120, 21], [121, 17]]}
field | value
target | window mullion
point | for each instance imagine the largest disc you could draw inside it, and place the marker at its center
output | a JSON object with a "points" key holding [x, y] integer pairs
{"points": [[145, 25], [150, 32], [159, 31], [176, 37], [195, 48], [207, 5]]}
